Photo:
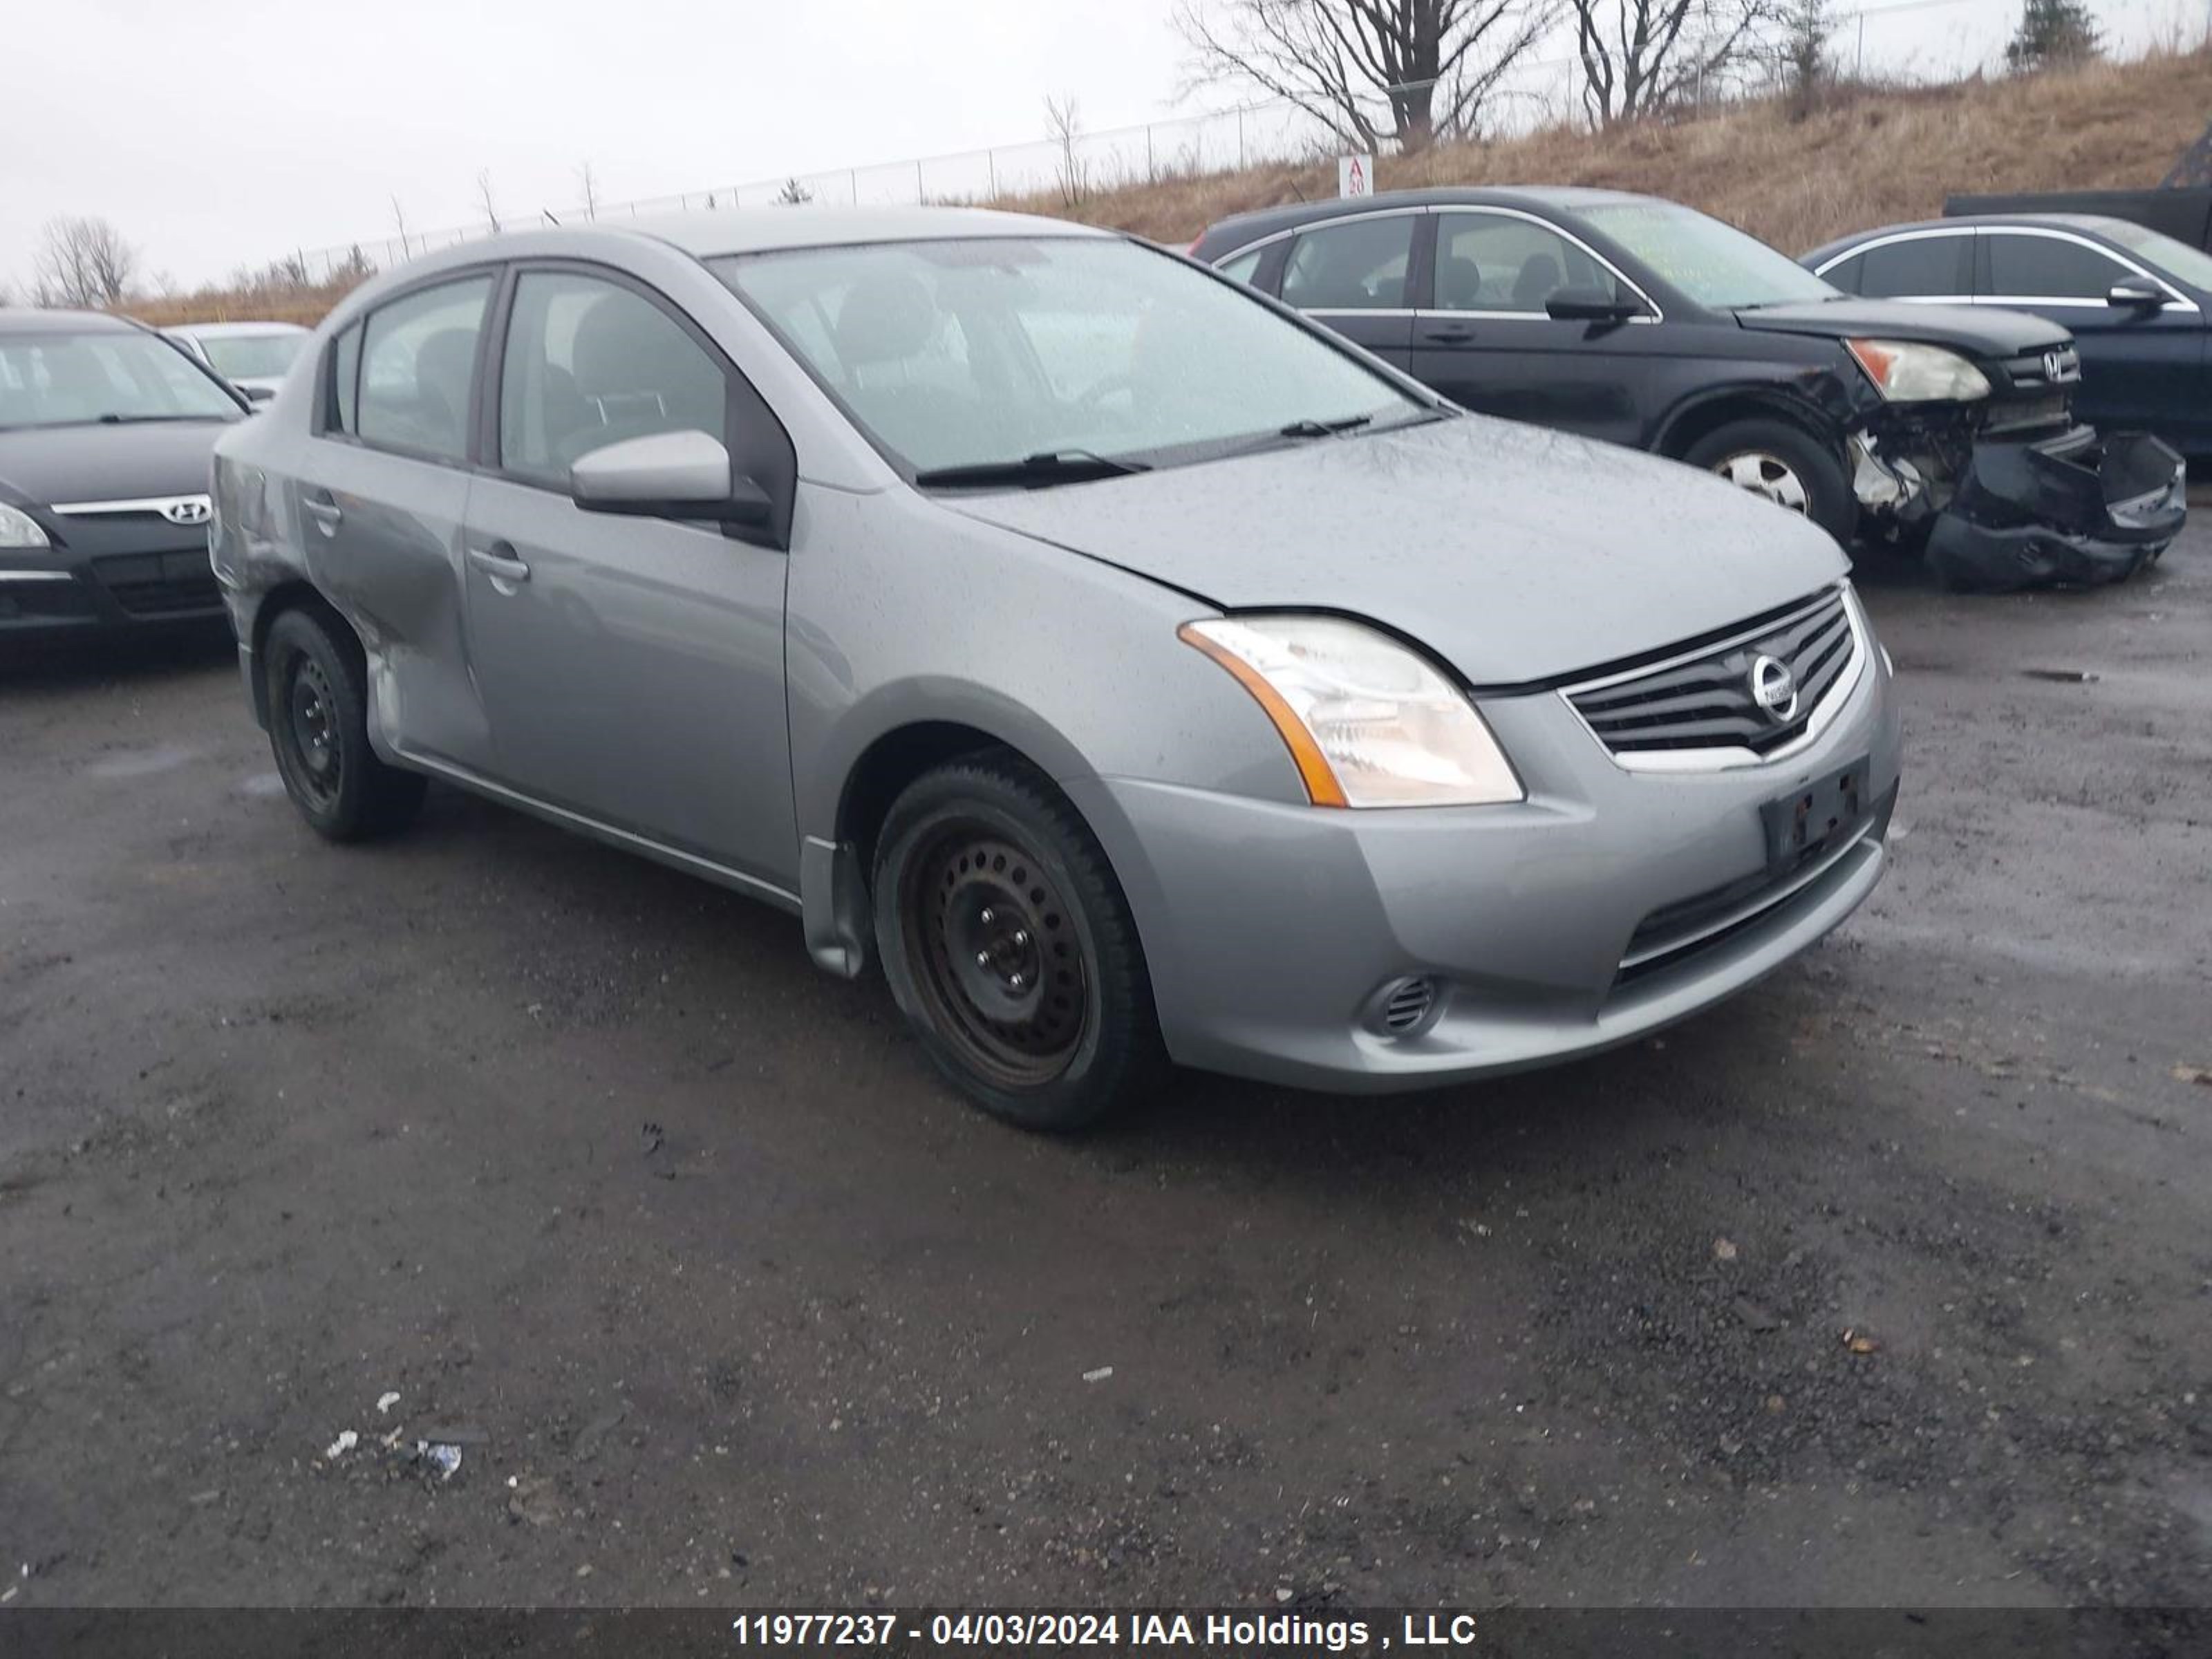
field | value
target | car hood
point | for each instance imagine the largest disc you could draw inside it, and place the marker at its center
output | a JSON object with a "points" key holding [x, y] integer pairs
{"points": [[53, 463], [1517, 553], [1977, 330]]}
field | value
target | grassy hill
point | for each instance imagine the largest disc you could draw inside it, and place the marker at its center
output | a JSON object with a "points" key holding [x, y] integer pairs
{"points": [[1867, 156]]}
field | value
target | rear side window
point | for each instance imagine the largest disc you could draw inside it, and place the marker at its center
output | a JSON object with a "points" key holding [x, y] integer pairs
{"points": [[2048, 268], [1918, 266], [1356, 266], [417, 361]]}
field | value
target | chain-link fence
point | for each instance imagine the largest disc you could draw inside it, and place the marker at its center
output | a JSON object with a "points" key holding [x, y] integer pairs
{"points": [[1906, 41]]}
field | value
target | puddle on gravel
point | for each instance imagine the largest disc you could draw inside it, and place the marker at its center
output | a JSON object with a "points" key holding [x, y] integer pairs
{"points": [[263, 786], [142, 763]]}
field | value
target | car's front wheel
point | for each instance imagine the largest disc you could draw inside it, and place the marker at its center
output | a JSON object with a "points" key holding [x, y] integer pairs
{"points": [[1010, 947], [1787, 465], [318, 706]]}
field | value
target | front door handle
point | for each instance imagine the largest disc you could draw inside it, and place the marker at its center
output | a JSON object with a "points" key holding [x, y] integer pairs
{"points": [[325, 511], [1449, 333], [499, 562]]}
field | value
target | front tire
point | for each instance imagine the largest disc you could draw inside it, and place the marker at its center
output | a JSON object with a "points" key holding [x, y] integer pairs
{"points": [[318, 704], [1010, 947], [1787, 465]]}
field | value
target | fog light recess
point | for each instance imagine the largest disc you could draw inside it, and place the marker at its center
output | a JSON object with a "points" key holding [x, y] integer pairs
{"points": [[1405, 1007]]}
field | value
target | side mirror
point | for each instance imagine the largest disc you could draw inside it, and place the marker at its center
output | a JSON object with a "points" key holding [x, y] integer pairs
{"points": [[2135, 294], [258, 394], [667, 475], [1589, 304]]}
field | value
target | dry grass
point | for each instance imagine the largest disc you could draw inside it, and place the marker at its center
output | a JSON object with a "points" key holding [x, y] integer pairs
{"points": [[1870, 156]]}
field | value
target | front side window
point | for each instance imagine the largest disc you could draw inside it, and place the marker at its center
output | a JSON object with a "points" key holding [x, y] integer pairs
{"points": [[2160, 252], [1919, 265], [1496, 262], [979, 351], [116, 377], [1716, 264], [2031, 267], [1357, 265], [591, 362], [417, 361]]}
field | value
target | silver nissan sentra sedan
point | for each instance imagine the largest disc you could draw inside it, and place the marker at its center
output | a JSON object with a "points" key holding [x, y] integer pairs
{"points": [[1134, 671]]}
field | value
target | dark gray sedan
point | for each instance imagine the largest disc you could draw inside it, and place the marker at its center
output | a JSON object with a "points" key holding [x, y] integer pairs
{"points": [[1134, 670]]}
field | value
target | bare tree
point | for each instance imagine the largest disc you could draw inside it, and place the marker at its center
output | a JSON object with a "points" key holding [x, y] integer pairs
{"points": [[1638, 56], [591, 191], [793, 194], [400, 222], [1412, 71], [1806, 70], [1064, 121], [484, 194], [84, 263]]}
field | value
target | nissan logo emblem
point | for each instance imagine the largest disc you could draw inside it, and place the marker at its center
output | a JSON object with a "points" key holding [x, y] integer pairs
{"points": [[1773, 687], [188, 509]]}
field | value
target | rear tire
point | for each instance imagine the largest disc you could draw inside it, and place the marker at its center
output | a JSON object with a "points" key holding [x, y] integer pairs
{"points": [[1009, 948], [1786, 464], [318, 704]]}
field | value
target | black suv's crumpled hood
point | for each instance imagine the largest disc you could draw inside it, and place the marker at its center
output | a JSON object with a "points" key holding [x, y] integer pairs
{"points": [[1515, 553], [45, 464], [1975, 331]]}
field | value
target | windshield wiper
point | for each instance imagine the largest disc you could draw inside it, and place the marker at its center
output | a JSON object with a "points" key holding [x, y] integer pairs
{"points": [[1324, 428], [137, 420], [1047, 466]]}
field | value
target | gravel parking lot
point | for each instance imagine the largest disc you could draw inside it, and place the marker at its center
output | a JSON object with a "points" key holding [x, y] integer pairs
{"points": [[722, 1296]]}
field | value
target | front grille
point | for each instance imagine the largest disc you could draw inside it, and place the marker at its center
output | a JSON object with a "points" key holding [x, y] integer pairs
{"points": [[1707, 700], [159, 584], [2020, 414], [2060, 366]]}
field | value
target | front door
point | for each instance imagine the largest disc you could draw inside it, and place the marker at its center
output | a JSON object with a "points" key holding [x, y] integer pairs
{"points": [[1484, 340], [633, 667]]}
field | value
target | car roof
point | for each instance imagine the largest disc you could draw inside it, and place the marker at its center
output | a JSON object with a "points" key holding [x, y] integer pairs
{"points": [[1568, 198], [752, 230], [31, 319], [238, 331], [2092, 224]]}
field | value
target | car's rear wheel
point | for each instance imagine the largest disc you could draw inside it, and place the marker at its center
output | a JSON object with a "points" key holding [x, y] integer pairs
{"points": [[318, 704], [1010, 947], [1785, 465]]}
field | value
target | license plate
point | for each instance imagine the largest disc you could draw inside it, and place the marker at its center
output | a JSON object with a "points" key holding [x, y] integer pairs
{"points": [[1821, 816]]}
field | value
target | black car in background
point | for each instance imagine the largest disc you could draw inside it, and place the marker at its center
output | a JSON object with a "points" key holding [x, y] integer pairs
{"points": [[107, 434], [2137, 302], [1644, 323]]}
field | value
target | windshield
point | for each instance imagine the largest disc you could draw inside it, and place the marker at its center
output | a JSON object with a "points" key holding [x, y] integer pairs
{"points": [[1716, 265], [251, 357], [2161, 252], [978, 352], [67, 379]]}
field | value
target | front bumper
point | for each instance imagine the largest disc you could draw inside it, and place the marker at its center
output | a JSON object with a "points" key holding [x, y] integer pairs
{"points": [[2072, 508], [1606, 905], [60, 594]]}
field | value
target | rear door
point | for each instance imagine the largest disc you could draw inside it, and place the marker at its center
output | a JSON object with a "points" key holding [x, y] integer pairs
{"points": [[2142, 369], [1484, 340], [380, 500], [1355, 275], [1928, 266], [632, 666]]}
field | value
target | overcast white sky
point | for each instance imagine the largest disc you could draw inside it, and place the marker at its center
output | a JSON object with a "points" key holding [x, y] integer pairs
{"points": [[222, 132]]}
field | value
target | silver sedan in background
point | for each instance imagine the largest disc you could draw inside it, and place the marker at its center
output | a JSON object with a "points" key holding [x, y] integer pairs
{"points": [[1134, 671], [253, 356]]}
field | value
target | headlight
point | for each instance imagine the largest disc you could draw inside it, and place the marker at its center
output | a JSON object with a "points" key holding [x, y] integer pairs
{"points": [[1906, 372], [1368, 722], [19, 529]]}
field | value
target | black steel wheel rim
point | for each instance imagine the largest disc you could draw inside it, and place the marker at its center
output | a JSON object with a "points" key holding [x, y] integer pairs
{"points": [[997, 955], [309, 723]]}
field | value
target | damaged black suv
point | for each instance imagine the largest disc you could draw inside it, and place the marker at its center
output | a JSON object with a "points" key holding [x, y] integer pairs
{"points": [[1645, 322]]}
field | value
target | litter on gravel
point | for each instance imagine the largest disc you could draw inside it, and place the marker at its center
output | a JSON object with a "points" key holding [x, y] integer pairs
{"points": [[385, 1402], [1098, 1376], [346, 1441], [446, 1459]]}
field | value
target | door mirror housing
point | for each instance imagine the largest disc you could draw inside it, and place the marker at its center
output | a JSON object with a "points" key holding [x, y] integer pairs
{"points": [[2135, 294], [668, 475], [1589, 304]]}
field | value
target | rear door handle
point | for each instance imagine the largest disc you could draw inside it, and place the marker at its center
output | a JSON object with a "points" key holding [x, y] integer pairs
{"points": [[1449, 333], [324, 511], [498, 561]]}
